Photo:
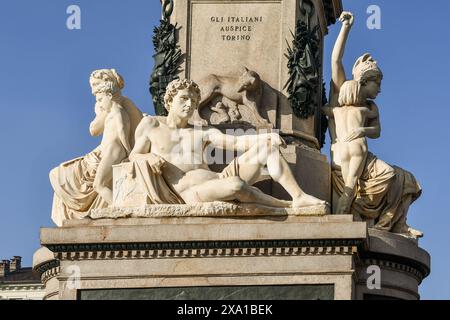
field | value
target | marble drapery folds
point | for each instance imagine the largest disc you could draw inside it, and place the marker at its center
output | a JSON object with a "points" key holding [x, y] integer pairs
{"points": [[154, 185], [73, 183], [382, 190]]}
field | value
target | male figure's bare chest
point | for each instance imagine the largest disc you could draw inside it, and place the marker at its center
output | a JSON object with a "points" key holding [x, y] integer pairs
{"points": [[172, 143]]}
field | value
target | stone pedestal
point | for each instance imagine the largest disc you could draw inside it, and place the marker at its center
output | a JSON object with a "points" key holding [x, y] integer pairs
{"points": [[236, 258], [312, 172], [402, 263]]}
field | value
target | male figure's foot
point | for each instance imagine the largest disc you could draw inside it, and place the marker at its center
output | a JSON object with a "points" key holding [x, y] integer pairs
{"points": [[256, 196], [284, 204], [306, 200]]}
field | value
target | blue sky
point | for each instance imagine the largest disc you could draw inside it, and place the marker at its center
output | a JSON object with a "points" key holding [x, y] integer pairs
{"points": [[46, 105]]}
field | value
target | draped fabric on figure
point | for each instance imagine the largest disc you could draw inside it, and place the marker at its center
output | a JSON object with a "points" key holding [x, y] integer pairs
{"points": [[381, 191], [155, 186], [73, 183]]}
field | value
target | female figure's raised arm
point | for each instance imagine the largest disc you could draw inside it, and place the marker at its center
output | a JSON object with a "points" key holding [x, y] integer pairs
{"points": [[337, 68]]}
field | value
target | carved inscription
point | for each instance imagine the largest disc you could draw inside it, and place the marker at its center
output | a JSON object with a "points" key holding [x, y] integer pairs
{"points": [[234, 28]]}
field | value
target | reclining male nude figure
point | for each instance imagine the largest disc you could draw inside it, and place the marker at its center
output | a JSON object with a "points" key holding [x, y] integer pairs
{"points": [[175, 150]]}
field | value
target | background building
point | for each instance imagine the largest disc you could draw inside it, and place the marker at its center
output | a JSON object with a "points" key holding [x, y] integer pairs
{"points": [[17, 283]]}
